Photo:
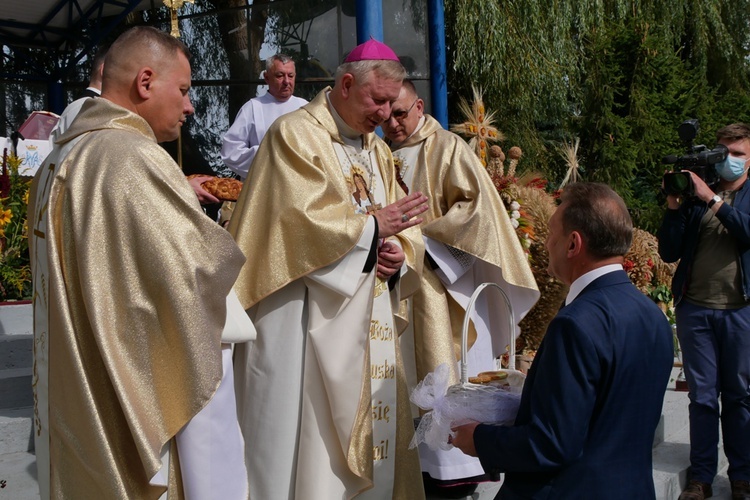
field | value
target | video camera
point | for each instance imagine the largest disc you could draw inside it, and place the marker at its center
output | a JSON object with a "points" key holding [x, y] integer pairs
{"points": [[698, 159]]}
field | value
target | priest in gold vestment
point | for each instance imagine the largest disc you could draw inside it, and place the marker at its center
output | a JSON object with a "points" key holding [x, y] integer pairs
{"points": [[332, 247], [468, 241], [130, 287]]}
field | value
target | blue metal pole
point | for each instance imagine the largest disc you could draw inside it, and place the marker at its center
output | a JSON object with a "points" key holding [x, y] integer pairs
{"points": [[438, 71], [369, 20]]}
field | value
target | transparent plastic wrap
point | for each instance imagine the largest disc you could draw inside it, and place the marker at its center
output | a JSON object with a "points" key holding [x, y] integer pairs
{"points": [[494, 402]]}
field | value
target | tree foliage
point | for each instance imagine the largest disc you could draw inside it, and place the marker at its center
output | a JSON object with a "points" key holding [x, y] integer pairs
{"points": [[619, 74]]}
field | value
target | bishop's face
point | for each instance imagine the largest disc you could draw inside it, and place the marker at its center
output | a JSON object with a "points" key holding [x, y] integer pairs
{"points": [[368, 103]]}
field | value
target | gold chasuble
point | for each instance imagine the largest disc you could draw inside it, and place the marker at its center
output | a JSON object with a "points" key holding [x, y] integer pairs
{"points": [[130, 286], [321, 393], [467, 232], [467, 215]]}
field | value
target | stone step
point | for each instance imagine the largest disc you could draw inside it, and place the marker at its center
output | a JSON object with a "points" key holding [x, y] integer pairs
{"points": [[18, 476], [671, 453], [16, 318], [15, 388], [16, 351], [16, 433]]}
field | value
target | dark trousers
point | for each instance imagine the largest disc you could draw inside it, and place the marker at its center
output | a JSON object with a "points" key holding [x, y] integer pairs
{"points": [[715, 347]]}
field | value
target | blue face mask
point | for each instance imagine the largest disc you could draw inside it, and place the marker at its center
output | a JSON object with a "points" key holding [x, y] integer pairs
{"points": [[731, 168]]}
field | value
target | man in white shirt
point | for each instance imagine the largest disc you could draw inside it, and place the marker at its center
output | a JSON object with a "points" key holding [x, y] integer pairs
{"points": [[241, 141]]}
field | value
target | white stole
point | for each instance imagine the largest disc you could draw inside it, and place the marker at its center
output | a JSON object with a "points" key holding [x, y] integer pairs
{"points": [[383, 337]]}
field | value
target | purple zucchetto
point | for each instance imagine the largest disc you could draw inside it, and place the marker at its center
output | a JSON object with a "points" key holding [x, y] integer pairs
{"points": [[372, 50]]}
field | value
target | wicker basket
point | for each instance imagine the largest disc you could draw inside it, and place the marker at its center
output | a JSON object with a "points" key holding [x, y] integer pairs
{"points": [[465, 401], [515, 378]]}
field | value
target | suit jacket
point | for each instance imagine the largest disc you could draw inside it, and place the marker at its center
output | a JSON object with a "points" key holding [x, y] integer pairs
{"points": [[591, 402]]}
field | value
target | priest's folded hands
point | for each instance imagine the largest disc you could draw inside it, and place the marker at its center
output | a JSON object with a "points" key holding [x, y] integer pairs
{"points": [[401, 214]]}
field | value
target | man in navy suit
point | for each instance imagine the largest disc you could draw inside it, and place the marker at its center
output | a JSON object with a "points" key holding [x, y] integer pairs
{"points": [[594, 393]]}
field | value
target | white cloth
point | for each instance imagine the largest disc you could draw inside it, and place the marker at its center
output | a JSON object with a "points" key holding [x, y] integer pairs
{"points": [[211, 447], [280, 387], [69, 114], [460, 279], [241, 141], [238, 327]]}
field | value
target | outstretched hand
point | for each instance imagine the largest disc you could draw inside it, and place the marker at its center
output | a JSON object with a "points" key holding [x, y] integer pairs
{"points": [[401, 214]]}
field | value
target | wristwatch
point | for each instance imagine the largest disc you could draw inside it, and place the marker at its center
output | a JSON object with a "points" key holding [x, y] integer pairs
{"points": [[714, 200]]}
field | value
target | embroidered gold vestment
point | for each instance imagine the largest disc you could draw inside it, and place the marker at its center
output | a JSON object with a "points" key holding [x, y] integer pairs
{"points": [[131, 280]]}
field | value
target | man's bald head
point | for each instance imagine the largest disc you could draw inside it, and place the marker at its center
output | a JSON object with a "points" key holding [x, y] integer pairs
{"points": [[147, 72], [138, 47]]}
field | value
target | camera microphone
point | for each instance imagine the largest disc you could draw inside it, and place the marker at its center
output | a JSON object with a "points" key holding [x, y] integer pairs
{"points": [[670, 159]]}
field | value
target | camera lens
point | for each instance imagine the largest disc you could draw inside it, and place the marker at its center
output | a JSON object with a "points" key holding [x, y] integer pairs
{"points": [[678, 183]]}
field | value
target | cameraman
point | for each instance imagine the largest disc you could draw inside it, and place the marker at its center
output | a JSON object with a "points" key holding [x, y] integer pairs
{"points": [[710, 235]]}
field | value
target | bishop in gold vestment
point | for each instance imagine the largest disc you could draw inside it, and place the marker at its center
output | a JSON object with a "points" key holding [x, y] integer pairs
{"points": [[469, 240], [306, 388], [130, 287]]}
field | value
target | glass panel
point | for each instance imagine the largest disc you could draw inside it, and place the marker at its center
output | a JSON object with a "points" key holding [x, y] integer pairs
{"points": [[405, 31], [19, 100]]}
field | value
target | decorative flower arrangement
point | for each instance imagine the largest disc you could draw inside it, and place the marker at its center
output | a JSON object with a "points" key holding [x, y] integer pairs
{"points": [[479, 125], [530, 206], [15, 271]]}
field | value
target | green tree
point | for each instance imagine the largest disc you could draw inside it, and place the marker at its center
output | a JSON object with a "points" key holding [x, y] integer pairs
{"points": [[619, 74]]}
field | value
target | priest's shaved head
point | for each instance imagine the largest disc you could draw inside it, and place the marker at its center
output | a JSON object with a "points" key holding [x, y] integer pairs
{"points": [[135, 367], [147, 72]]}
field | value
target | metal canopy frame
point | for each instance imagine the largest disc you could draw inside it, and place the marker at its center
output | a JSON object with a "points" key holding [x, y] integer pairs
{"points": [[66, 30]]}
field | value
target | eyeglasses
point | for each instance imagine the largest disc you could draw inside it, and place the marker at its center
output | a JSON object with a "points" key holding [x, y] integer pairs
{"points": [[400, 115]]}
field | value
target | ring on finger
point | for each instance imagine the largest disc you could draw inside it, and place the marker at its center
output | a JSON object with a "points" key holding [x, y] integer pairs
{"points": [[405, 218]]}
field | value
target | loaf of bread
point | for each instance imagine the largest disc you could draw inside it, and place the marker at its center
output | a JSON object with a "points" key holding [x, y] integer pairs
{"points": [[223, 188], [489, 378]]}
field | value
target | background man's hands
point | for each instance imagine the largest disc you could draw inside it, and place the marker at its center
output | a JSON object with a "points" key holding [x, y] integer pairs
{"points": [[702, 192], [204, 197]]}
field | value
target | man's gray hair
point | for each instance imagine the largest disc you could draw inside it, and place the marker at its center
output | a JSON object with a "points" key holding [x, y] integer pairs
{"points": [[362, 70], [282, 58], [600, 216]]}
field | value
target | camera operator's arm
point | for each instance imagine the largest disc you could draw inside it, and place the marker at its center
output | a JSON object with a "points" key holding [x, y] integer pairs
{"points": [[703, 192], [673, 202], [736, 221], [672, 231]]}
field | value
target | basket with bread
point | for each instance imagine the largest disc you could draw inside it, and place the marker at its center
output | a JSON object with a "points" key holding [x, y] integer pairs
{"points": [[489, 397]]}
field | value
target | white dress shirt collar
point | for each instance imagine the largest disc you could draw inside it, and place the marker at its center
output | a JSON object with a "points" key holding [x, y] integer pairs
{"points": [[586, 279]]}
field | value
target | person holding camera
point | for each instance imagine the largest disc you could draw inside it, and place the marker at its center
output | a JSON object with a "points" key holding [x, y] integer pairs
{"points": [[709, 233]]}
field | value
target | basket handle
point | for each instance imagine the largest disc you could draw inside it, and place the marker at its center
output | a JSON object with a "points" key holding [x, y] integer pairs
{"points": [[465, 330]]}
